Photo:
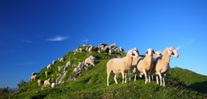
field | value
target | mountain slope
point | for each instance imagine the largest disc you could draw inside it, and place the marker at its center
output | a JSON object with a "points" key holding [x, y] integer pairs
{"points": [[91, 83]]}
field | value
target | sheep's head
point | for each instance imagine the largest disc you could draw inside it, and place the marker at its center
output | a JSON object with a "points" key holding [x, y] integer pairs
{"points": [[172, 51], [150, 52], [133, 53], [157, 54]]}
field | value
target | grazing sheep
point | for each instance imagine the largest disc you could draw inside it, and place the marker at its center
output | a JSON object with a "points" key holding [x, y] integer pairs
{"points": [[102, 46], [48, 66], [90, 60], [33, 77], [145, 65], [46, 83], [162, 65], [39, 82], [121, 65], [112, 46], [61, 59]]}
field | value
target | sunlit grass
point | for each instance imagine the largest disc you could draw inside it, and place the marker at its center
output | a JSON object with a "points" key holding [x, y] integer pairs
{"points": [[92, 83]]}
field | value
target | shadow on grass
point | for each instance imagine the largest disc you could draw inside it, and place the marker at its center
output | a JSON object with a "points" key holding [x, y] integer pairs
{"points": [[199, 86], [41, 96]]}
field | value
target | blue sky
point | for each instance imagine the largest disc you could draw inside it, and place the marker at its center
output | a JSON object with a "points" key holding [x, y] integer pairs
{"points": [[35, 32]]}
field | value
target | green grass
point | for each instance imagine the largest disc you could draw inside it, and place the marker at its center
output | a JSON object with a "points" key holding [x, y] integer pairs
{"points": [[91, 84]]}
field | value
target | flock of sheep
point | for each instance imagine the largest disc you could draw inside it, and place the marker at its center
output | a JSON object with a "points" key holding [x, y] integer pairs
{"points": [[153, 64]]}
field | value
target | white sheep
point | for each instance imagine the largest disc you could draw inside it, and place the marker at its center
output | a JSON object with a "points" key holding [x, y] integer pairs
{"points": [[162, 65], [90, 48], [33, 77], [145, 65], [48, 66], [112, 46], [120, 65], [110, 51], [121, 50], [102, 46], [81, 50], [46, 83], [61, 59], [39, 82], [156, 56]]}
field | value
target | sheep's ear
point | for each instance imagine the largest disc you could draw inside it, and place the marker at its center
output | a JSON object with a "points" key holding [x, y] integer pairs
{"points": [[153, 52], [146, 52]]}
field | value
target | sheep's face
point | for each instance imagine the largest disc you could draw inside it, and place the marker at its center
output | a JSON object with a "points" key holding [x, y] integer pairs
{"points": [[158, 54], [133, 53], [172, 51], [150, 52]]}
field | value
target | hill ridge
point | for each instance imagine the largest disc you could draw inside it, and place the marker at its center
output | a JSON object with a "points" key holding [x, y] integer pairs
{"points": [[91, 82]]}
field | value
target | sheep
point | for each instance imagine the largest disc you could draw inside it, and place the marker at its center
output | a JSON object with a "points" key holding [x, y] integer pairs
{"points": [[110, 51], [33, 73], [120, 65], [90, 60], [46, 83], [81, 50], [33, 77], [39, 82], [54, 61], [48, 66], [112, 46], [145, 65], [61, 59], [121, 50], [102, 46], [162, 65]]}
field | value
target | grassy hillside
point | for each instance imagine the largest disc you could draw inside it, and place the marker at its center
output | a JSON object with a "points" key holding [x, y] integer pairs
{"points": [[91, 83]]}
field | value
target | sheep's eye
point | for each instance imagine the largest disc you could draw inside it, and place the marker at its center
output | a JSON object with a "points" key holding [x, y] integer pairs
{"points": [[133, 54]]}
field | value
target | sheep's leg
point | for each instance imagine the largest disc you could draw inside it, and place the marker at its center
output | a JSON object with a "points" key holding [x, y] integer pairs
{"points": [[149, 78], [146, 77], [164, 80], [160, 79], [108, 74], [115, 79], [135, 77], [157, 79], [129, 73], [123, 76], [152, 78]]}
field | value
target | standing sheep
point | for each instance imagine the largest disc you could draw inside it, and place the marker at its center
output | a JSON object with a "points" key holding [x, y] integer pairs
{"points": [[48, 66], [33, 77], [61, 59], [112, 46], [46, 83], [145, 65], [162, 65], [120, 65]]}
